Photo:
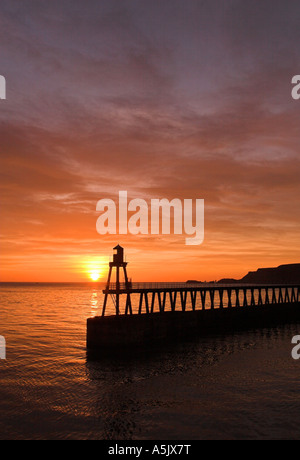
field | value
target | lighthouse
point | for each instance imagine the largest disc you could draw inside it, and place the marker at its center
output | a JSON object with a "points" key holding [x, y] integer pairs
{"points": [[118, 265]]}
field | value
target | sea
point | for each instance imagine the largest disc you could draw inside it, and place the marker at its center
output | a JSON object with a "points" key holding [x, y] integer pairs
{"points": [[238, 386]]}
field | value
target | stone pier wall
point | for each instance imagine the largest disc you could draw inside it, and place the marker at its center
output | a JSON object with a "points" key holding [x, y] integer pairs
{"points": [[113, 333]]}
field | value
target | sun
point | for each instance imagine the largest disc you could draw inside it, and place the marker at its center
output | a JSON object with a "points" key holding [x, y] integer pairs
{"points": [[95, 275], [93, 267]]}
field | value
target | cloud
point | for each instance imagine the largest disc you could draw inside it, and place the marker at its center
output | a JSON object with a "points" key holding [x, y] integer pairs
{"points": [[160, 99]]}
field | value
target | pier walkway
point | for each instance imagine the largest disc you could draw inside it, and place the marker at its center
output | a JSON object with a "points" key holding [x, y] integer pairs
{"points": [[178, 296]]}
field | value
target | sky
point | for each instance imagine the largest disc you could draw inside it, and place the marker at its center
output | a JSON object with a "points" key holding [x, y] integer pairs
{"points": [[163, 99]]}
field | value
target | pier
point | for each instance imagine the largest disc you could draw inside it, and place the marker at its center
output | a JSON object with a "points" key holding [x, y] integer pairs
{"points": [[164, 311], [155, 297]]}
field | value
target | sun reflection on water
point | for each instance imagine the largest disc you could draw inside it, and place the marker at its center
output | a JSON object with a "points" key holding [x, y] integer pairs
{"points": [[94, 303]]}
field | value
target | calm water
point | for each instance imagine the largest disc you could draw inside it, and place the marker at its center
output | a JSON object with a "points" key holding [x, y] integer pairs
{"points": [[242, 386]]}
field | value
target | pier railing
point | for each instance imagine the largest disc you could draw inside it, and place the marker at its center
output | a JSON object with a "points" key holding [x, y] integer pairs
{"points": [[138, 286], [163, 297]]}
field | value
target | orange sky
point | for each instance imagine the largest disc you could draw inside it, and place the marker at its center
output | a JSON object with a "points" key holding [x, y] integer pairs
{"points": [[193, 104]]}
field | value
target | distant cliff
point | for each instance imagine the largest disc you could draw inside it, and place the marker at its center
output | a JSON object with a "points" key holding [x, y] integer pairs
{"points": [[285, 274]]}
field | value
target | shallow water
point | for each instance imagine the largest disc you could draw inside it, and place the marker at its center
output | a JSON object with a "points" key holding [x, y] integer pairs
{"points": [[242, 386]]}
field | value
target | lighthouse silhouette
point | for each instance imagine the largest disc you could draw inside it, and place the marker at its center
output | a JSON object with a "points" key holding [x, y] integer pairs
{"points": [[118, 263]]}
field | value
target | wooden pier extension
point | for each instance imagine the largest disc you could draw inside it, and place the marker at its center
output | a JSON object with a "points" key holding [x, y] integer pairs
{"points": [[182, 296]]}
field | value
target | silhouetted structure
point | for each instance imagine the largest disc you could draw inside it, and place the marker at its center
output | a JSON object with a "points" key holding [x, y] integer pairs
{"points": [[173, 310], [118, 263], [200, 296]]}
